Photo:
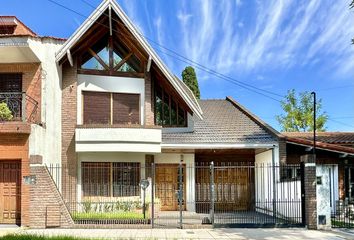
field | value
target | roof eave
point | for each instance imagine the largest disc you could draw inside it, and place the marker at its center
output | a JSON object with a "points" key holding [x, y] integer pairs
{"points": [[321, 145]]}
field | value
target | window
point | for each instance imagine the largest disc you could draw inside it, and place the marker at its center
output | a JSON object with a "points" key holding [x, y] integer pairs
{"points": [[111, 108], [11, 82], [97, 107], [107, 179], [290, 172], [126, 179], [126, 108], [111, 55], [158, 106], [168, 112], [95, 179], [11, 93]]}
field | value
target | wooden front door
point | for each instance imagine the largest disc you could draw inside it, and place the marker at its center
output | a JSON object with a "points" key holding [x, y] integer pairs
{"points": [[10, 192], [167, 179]]}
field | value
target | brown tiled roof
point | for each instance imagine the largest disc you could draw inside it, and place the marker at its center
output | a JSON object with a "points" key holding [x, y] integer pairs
{"points": [[223, 122], [332, 141], [23, 31], [340, 138]]}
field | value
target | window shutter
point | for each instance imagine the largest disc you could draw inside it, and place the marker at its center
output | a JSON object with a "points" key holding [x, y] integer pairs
{"points": [[97, 107], [126, 108]]}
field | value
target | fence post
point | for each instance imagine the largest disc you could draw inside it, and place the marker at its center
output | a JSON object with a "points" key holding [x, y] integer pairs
{"points": [[212, 193], [302, 182], [152, 194], [274, 188], [180, 194]]}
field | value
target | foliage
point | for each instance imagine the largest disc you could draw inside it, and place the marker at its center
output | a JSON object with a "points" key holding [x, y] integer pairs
{"points": [[5, 112], [87, 206], [34, 237], [190, 79], [299, 113], [108, 216]]}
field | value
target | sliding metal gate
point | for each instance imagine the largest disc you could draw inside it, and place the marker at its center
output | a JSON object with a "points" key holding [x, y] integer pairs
{"points": [[251, 195]]}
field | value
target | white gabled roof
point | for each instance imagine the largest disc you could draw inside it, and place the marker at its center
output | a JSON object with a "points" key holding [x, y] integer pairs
{"points": [[128, 23]]}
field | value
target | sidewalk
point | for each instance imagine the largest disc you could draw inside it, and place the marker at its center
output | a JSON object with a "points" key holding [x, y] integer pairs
{"points": [[229, 233]]}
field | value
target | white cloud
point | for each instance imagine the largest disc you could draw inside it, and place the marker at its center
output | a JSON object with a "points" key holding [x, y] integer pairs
{"points": [[274, 34]]}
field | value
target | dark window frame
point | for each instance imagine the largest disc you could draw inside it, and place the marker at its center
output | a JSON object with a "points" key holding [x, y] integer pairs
{"points": [[107, 173], [111, 108], [162, 113]]}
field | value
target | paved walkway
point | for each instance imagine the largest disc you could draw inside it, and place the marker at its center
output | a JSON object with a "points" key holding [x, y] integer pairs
{"points": [[235, 233]]}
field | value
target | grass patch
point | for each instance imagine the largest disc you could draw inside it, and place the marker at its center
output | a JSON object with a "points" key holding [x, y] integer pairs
{"points": [[342, 224], [109, 216], [34, 237]]}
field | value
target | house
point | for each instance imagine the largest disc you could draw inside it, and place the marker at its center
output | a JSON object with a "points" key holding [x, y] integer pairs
{"points": [[122, 140], [126, 117], [334, 166], [27, 86]]}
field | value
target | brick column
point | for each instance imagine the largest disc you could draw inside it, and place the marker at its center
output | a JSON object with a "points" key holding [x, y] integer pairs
{"points": [[149, 103], [310, 200]]}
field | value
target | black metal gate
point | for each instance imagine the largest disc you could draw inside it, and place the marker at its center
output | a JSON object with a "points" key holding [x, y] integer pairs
{"points": [[252, 195], [200, 195]]}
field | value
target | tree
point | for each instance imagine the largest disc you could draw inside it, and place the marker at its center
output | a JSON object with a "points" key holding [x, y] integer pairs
{"points": [[5, 113], [190, 79], [298, 115]]}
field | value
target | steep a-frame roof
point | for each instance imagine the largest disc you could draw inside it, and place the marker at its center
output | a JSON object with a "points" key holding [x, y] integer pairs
{"points": [[192, 104]]}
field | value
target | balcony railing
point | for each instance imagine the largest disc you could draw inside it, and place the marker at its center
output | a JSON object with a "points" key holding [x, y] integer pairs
{"points": [[22, 106]]}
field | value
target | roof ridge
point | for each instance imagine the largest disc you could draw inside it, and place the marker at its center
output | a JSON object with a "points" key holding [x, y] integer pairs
{"points": [[255, 118]]}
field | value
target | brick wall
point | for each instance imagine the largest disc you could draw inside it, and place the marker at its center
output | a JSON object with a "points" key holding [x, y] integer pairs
{"points": [[310, 191], [69, 119], [15, 147], [149, 103], [47, 208], [31, 82], [341, 181]]}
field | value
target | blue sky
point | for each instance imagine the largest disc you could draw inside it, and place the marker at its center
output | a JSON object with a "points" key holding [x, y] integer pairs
{"points": [[274, 45]]}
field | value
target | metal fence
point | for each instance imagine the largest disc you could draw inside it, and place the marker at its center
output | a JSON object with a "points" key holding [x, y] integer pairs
{"points": [[200, 195], [22, 107], [343, 215]]}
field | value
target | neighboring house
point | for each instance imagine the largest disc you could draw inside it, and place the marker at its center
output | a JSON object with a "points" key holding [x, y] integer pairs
{"points": [[28, 83], [335, 152], [112, 119]]}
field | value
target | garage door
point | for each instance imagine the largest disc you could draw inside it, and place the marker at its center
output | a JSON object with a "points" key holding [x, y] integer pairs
{"points": [[10, 192]]}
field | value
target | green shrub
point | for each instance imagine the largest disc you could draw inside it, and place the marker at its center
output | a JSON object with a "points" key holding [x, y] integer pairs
{"points": [[5, 113], [87, 206]]}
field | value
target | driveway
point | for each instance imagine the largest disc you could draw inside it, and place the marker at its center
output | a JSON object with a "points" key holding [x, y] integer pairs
{"points": [[226, 233]]}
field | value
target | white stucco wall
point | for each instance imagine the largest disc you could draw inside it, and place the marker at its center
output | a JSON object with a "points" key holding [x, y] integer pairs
{"points": [[323, 196], [46, 140], [109, 84]]}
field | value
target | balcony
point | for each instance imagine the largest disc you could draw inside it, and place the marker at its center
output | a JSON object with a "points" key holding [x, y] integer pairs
{"points": [[118, 138], [17, 111]]}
